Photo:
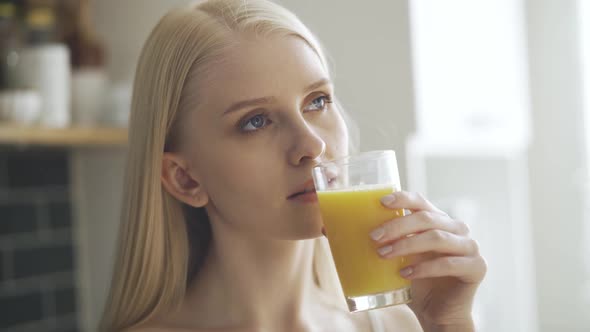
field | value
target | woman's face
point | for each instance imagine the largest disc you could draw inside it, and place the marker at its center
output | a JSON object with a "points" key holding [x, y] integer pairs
{"points": [[265, 118]]}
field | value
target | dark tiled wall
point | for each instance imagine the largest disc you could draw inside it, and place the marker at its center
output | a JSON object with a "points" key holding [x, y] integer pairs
{"points": [[37, 266]]}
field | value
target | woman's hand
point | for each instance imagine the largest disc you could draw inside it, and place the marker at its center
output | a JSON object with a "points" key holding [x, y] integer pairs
{"points": [[446, 267]]}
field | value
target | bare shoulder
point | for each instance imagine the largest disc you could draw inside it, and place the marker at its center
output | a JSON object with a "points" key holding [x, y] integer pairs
{"points": [[399, 318]]}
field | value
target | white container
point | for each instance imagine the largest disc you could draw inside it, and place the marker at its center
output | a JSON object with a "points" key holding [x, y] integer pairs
{"points": [[46, 68], [21, 107], [118, 105], [88, 95]]}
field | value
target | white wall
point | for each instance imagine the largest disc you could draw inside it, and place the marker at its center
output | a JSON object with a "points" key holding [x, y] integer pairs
{"points": [[470, 152], [558, 165], [557, 160], [124, 26], [488, 189], [584, 37], [471, 72]]}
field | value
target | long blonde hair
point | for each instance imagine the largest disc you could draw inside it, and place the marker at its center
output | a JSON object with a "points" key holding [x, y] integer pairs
{"points": [[161, 241]]}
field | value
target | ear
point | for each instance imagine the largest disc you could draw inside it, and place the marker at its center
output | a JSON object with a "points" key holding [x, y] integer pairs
{"points": [[177, 181]]}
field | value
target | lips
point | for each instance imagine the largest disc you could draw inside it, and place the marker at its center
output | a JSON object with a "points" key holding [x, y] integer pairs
{"points": [[306, 188]]}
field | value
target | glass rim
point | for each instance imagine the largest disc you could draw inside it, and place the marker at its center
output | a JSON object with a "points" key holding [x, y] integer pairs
{"points": [[351, 159]]}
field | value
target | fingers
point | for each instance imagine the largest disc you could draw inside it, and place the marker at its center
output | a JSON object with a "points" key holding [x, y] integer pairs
{"points": [[470, 269], [434, 240], [418, 222], [438, 245], [408, 200]]}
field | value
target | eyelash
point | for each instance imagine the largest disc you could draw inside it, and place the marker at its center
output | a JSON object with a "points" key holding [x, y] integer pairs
{"points": [[242, 124]]}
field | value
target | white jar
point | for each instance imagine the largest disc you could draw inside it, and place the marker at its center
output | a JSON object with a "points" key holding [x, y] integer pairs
{"points": [[118, 104], [88, 95], [20, 107], [46, 68]]}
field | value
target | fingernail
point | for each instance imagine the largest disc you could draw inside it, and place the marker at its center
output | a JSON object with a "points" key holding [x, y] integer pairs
{"points": [[406, 271], [377, 234], [387, 200], [385, 250]]}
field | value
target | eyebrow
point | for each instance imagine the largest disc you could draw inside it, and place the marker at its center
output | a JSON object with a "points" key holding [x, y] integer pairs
{"points": [[269, 100]]}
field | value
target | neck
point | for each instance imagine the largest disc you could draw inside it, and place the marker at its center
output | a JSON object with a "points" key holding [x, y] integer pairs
{"points": [[247, 281]]}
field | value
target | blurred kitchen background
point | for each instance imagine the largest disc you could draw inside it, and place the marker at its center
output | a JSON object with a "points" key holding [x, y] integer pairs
{"points": [[486, 102]]}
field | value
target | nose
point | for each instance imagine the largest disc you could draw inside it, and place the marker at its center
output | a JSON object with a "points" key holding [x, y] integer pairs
{"points": [[306, 147]]}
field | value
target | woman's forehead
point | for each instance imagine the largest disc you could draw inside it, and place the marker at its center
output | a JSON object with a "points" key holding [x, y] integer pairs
{"points": [[256, 67]]}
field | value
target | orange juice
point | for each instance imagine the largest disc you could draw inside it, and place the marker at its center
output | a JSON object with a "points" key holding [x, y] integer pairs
{"points": [[349, 216]]}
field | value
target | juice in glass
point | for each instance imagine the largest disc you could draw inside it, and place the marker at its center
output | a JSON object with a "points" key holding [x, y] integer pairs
{"points": [[349, 216], [349, 191]]}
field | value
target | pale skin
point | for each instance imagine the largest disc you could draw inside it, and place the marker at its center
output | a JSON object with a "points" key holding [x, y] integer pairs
{"points": [[243, 165]]}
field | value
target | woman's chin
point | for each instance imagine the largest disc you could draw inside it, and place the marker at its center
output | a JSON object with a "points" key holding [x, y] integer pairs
{"points": [[302, 229], [307, 234], [316, 232]]}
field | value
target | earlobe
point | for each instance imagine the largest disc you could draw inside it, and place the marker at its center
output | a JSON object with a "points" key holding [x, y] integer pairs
{"points": [[177, 181]]}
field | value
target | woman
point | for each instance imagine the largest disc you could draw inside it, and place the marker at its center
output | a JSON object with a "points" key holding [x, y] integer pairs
{"points": [[233, 106]]}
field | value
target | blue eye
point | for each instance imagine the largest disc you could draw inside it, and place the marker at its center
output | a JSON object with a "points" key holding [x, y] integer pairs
{"points": [[318, 104], [256, 122]]}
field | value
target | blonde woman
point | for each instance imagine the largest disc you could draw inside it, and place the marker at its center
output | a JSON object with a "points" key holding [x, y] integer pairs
{"points": [[233, 105]]}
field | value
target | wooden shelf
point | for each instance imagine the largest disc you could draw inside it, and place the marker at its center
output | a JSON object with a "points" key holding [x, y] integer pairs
{"points": [[67, 137]]}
